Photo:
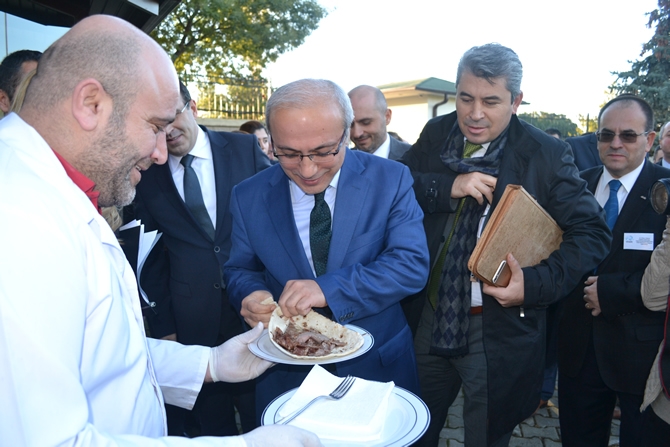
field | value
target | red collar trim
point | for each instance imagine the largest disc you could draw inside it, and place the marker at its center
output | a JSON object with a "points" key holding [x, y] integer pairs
{"points": [[79, 179]]}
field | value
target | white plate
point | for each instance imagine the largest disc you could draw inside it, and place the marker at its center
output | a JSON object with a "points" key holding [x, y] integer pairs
{"points": [[264, 349], [407, 420]]}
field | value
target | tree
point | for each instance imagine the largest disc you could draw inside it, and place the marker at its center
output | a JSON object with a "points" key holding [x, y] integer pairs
{"points": [[234, 38], [588, 123], [650, 76], [544, 120]]}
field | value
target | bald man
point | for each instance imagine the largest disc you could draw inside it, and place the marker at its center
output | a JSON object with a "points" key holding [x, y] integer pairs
{"points": [[75, 365], [371, 116]]}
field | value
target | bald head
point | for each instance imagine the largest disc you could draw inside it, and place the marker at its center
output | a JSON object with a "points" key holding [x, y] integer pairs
{"points": [[104, 48], [371, 116], [101, 98]]}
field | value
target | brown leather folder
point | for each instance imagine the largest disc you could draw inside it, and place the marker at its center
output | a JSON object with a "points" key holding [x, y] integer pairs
{"points": [[518, 225]]}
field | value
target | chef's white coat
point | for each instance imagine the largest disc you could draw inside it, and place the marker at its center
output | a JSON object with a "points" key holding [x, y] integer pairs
{"points": [[75, 365]]}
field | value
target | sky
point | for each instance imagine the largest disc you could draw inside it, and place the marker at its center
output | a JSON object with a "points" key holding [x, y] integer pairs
{"points": [[568, 49]]}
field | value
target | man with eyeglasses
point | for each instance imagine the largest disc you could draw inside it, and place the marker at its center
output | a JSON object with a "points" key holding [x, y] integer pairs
{"points": [[607, 338], [329, 229], [189, 204]]}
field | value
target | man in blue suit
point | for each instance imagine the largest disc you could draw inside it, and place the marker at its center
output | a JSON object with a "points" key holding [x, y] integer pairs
{"points": [[182, 275], [377, 253]]}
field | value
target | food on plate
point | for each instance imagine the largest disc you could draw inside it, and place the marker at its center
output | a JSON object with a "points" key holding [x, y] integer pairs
{"points": [[312, 336]]}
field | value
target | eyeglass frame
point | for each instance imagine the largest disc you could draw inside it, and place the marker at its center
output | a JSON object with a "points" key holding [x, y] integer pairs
{"points": [[321, 157], [625, 136], [188, 103]]}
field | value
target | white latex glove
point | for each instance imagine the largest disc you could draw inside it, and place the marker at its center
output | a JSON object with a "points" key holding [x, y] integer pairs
{"points": [[283, 435], [233, 362]]}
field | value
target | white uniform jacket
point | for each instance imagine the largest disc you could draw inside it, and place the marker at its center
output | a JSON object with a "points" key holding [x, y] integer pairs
{"points": [[75, 366]]}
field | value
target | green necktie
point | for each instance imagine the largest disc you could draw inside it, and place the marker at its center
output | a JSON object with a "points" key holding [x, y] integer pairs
{"points": [[436, 272], [320, 233]]}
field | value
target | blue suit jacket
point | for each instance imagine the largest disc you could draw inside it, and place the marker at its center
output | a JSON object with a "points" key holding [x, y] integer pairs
{"points": [[183, 273], [378, 255]]}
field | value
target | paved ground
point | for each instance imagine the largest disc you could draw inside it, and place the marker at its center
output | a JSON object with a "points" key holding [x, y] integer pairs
{"points": [[540, 430]]}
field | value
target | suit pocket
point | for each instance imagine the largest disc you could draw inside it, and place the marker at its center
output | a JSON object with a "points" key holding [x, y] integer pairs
{"points": [[181, 289], [366, 239], [649, 333], [396, 347]]}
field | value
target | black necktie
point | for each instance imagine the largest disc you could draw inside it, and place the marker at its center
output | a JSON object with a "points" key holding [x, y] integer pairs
{"points": [[320, 233], [193, 196]]}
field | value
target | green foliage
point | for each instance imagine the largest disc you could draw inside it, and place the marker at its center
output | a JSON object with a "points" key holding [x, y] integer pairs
{"points": [[649, 77], [544, 120], [588, 123], [234, 38]]}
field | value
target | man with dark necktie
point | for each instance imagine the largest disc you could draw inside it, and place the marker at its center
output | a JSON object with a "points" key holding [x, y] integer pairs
{"points": [[329, 229], [491, 340], [187, 199], [607, 338]]}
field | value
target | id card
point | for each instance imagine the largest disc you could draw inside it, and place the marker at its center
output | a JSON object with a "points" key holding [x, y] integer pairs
{"points": [[638, 241]]}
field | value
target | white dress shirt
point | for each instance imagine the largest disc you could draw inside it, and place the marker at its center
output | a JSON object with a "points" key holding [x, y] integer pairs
{"points": [[302, 208], [203, 165], [602, 192], [385, 149]]}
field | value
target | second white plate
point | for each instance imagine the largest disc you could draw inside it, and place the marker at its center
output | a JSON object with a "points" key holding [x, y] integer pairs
{"points": [[264, 349]]}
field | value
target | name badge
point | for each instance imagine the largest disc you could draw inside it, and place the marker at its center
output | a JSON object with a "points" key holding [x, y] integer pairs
{"points": [[638, 241]]}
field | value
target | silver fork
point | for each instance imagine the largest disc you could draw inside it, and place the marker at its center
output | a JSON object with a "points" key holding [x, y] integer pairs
{"points": [[338, 393]]}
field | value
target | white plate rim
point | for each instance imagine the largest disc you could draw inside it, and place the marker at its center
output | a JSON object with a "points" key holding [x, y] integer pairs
{"points": [[415, 431], [276, 356]]}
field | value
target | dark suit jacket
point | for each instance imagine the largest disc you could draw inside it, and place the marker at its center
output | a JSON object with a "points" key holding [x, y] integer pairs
{"points": [[377, 256], [626, 335], [397, 149], [515, 345], [189, 299], [585, 151]]}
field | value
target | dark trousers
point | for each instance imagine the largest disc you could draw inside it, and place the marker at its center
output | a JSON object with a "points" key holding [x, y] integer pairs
{"points": [[214, 411], [551, 358], [586, 405], [655, 431]]}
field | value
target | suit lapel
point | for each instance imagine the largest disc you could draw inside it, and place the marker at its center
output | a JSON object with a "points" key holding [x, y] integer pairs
{"points": [[635, 203], [166, 184], [277, 199], [222, 175], [352, 190]]}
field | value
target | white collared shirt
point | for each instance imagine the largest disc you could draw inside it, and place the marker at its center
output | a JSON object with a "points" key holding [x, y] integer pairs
{"points": [[385, 149], [203, 165], [664, 163], [627, 181], [302, 208]]}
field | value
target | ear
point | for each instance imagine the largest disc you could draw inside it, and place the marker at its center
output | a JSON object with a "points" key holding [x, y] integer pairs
{"points": [[517, 102], [5, 103], [91, 105], [651, 136], [388, 115], [194, 108]]}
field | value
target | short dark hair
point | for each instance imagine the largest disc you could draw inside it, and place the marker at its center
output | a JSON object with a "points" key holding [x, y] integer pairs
{"points": [[183, 91], [252, 126], [10, 69], [644, 105], [553, 131]]}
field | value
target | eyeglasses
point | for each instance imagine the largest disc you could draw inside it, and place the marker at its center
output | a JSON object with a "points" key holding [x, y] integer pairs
{"points": [[295, 159], [188, 103], [628, 136]]}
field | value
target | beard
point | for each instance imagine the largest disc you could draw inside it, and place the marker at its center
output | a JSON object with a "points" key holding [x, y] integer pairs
{"points": [[109, 162]]}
